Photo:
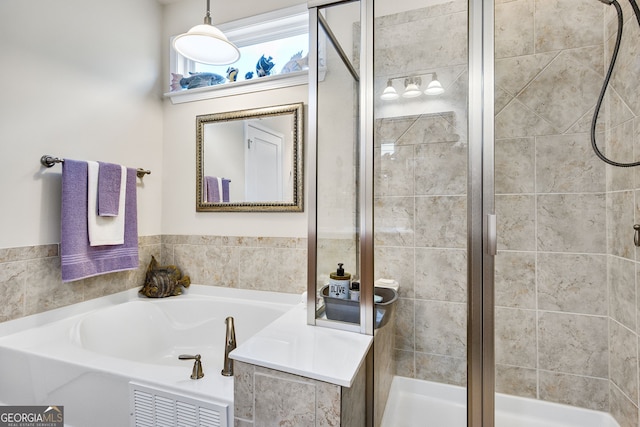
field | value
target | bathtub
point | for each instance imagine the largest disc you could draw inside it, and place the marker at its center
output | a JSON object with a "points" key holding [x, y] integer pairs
{"points": [[113, 361], [413, 401]]}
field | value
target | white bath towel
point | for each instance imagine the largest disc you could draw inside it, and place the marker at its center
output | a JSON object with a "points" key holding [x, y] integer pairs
{"points": [[104, 230]]}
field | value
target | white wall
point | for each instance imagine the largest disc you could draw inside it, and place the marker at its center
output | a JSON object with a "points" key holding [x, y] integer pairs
{"points": [[178, 209], [79, 79], [179, 181]]}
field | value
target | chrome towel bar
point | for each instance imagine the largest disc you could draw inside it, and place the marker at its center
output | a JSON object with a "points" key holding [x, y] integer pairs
{"points": [[49, 161]]}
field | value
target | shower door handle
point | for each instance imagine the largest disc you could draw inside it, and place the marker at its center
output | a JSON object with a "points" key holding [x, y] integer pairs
{"points": [[492, 235]]}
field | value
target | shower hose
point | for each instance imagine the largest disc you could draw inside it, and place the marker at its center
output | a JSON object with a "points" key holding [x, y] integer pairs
{"points": [[605, 84]]}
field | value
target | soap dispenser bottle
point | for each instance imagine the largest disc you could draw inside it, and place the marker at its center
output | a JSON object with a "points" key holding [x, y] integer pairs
{"points": [[339, 283]]}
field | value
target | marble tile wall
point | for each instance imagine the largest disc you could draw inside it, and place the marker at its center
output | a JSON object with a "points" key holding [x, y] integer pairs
{"points": [[265, 397], [620, 141], [31, 282], [276, 264]]}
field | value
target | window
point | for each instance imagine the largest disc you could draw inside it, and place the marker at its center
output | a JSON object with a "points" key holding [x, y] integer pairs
{"points": [[281, 36]]}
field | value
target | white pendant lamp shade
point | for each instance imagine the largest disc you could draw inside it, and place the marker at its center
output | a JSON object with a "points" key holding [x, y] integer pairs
{"points": [[434, 87], [411, 91], [389, 93], [206, 44]]}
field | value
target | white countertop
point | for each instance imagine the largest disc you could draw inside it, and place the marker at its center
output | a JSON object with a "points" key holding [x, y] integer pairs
{"points": [[290, 345]]}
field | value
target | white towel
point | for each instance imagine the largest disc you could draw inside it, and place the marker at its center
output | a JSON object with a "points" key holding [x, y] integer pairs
{"points": [[104, 230]]}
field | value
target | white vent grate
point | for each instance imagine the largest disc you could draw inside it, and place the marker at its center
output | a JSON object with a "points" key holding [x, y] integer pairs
{"points": [[154, 407]]}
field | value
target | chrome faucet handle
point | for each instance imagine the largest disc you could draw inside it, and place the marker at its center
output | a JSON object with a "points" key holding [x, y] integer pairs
{"points": [[197, 372]]}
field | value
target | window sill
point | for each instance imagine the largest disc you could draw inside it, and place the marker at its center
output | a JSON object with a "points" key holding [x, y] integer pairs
{"points": [[257, 84]]}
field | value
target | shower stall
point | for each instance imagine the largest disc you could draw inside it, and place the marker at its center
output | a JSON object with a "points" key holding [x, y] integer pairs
{"points": [[511, 241]]}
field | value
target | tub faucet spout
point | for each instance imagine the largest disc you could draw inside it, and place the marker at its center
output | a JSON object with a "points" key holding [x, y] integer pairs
{"points": [[229, 345]]}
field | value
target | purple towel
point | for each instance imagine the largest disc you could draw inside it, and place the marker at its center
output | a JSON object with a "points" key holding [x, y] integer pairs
{"points": [[109, 177], [78, 259], [211, 189], [225, 189]]}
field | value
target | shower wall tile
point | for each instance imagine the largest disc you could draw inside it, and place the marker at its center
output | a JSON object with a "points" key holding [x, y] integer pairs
{"points": [[575, 283], [405, 363], [514, 165], [517, 381], [394, 219], [514, 74], [441, 328], [623, 410], [441, 221], [619, 148], [442, 369], [440, 168], [441, 274], [623, 363], [438, 41], [614, 110], [430, 128], [620, 220], [514, 37], [563, 92], [565, 24], [624, 80], [566, 164], [571, 223], [622, 291], [515, 337], [516, 222], [396, 263], [585, 392], [573, 344], [518, 121], [394, 176], [405, 324], [515, 279]]}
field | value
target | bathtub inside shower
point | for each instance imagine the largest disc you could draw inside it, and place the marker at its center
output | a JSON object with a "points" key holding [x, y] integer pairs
{"points": [[114, 360]]}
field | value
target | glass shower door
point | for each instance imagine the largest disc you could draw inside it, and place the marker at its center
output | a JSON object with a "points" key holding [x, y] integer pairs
{"points": [[421, 203]]}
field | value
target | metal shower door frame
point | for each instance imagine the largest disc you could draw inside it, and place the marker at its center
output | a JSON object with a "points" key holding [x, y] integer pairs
{"points": [[481, 218]]}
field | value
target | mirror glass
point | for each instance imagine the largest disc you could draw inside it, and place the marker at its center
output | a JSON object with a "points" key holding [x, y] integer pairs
{"points": [[250, 160]]}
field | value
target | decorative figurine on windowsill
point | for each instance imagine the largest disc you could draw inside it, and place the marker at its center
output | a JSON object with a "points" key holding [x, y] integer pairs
{"points": [[296, 63], [232, 74], [264, 66], [195, 80], [163, 281]]}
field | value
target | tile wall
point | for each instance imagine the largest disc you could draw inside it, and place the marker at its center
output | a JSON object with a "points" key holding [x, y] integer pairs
{"points": [[566, 315], [31, 283], [620, 116]]}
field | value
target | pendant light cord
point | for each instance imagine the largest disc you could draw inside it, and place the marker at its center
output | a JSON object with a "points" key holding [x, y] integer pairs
{"points": [[607, 78]]}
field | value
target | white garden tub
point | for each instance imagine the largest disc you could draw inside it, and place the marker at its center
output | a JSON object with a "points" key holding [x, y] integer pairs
{"points": [[113, 361]]}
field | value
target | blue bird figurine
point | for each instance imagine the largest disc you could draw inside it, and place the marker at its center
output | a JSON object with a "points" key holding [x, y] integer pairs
{"points": [[264, 66], [232, 74]]}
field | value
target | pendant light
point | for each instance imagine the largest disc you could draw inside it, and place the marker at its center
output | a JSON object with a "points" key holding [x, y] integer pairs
{"points": [[206, 44], [411, 89], [434, 87], [389, 93]]}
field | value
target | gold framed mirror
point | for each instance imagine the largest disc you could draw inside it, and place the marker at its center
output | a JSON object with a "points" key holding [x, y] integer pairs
{"points": [[250, 160]]}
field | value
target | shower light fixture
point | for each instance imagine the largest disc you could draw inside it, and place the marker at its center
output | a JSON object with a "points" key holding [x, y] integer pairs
{"points": [[434, 87], [206, 44], [412, 87], [389, 93]]}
